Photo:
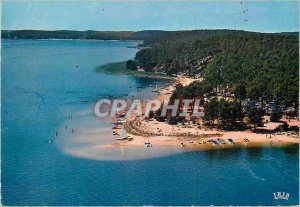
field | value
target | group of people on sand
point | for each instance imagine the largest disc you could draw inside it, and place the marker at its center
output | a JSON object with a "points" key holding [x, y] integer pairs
{"points": [[66, 127], [271, 136]]}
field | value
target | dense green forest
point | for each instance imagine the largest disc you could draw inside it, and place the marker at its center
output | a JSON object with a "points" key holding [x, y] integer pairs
{"points": [[190, 52], [251, 70], [264, 65], [89, 34]]}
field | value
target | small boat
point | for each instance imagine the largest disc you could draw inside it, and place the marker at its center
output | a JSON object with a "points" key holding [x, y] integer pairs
{"points": [[140, 87], [122, 115], [230, 141], [123, 134], [115, 133], [116, 127], [221, 141], [246, 140], [155, 90], [119, 120], [117, 123], [148, 144], [181, 144], [215, 142]]}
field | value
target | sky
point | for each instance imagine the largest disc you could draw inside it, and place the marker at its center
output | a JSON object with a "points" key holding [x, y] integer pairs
{"points": [[263, 16]]}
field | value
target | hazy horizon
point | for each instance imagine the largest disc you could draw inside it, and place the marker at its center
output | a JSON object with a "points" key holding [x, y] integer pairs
{"points": [[144, 30], [266, 16]]}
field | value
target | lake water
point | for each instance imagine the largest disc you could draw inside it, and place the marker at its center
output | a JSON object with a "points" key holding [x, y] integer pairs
{"points": [[41, 87]]}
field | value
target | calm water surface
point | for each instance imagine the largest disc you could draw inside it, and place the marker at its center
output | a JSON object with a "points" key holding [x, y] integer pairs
{"points": [[41, 86]]}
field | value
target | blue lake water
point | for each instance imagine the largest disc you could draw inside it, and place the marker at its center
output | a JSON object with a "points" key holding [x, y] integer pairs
{"points": [[41, 86]]}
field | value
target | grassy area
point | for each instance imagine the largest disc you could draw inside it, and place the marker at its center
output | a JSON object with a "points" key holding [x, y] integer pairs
{"points": [[121, 69]]}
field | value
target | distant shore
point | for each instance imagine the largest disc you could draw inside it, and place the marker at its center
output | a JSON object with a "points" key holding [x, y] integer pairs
{"points": [[120, 68]]}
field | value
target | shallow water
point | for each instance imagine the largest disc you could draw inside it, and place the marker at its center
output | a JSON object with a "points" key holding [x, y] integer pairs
{"points": [[41, 87]]}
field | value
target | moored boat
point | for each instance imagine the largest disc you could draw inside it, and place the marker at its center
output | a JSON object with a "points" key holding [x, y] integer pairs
{"points": [[148, 144], [116, 127], [230, 141], [155, 90], [123, 134]]}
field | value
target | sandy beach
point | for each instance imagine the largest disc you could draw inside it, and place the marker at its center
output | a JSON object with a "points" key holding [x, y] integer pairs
{"points": [[190, 135]]}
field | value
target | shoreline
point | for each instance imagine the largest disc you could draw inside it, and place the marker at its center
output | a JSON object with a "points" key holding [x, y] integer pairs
{"points": [[119, 68], [194, 137], [55, 39]]}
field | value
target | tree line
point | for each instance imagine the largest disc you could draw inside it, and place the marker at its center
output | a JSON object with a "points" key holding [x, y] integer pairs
{"points": [[255, 70], [89, 34]]}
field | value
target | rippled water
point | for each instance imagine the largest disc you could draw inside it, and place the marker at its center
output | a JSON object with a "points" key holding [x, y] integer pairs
{"points": [[41, 86]]}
